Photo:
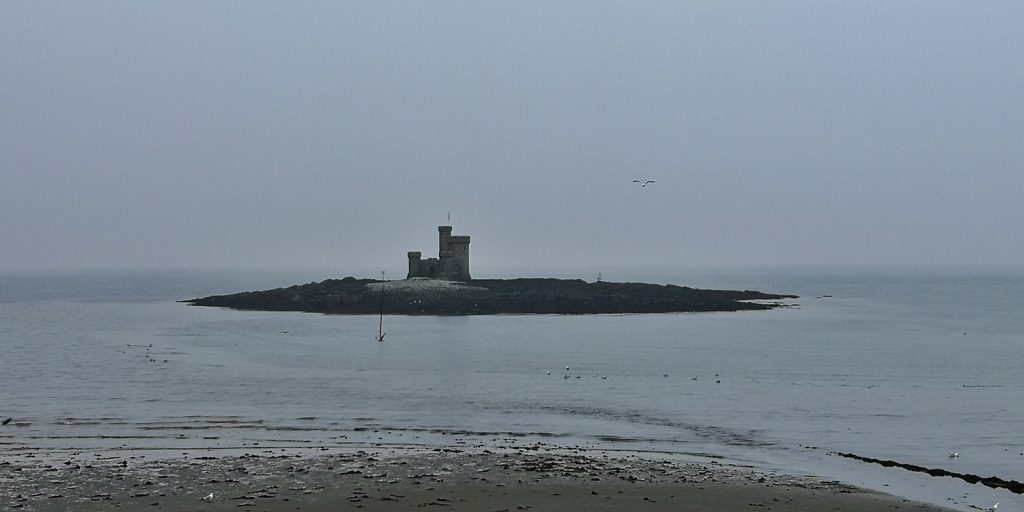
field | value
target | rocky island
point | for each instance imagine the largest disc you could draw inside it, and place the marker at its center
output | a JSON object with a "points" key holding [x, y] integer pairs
{"points": [[423, 296], [443, 286]]}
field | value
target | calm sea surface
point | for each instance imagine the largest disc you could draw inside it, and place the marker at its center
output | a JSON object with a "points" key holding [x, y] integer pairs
{"points": [[900, 364]]}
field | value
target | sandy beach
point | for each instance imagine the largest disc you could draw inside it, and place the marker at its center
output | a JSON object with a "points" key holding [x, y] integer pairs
{"points": [[424, 479]]}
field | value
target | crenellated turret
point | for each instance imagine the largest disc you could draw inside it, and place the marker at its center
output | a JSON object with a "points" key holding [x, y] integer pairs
{"points": [[443, 234], [458, 246], [414, 264]]}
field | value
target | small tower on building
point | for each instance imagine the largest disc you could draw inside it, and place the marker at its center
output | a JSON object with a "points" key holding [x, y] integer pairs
{"points": [[452, 261]]}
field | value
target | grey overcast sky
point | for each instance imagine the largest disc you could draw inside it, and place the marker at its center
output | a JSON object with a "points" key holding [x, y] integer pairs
{"points": [[338, 134]]}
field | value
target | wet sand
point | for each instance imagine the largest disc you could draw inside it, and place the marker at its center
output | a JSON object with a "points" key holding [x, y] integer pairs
{"points": [[425, 479]]}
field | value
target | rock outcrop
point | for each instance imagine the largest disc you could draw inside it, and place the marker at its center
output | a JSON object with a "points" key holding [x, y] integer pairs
{"points": [[491, 296]]}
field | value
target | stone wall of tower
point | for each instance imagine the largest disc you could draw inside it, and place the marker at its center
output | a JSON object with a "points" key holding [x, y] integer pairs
{"points": [[458, 266], [414, 264], [444, 233]]}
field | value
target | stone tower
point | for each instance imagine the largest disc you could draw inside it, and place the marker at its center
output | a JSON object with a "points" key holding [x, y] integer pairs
{"points": [[452, 261]]}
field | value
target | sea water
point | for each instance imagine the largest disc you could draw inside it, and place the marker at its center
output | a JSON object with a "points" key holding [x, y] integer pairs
{"points": [[889, 363]]}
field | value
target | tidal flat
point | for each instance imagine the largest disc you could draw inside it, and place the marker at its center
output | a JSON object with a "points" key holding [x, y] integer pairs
{"points": [[536, 478]]}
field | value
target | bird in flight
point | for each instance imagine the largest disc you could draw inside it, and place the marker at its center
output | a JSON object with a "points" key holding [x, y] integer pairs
{"points": [[643, 183]]}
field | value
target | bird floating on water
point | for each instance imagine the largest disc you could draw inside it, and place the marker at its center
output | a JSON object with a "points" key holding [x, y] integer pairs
{"points": [[643, 183], [954, 455]]}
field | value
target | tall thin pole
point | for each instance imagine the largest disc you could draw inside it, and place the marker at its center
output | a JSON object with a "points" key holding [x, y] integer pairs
{"points": [[380, 326]]}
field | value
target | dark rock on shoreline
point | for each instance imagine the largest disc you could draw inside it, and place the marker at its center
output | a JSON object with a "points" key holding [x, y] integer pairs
{"points": [[992, 481], [490, 296]]}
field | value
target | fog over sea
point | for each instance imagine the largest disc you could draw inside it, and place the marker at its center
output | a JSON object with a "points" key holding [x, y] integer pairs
{"points": [[890, 363]]}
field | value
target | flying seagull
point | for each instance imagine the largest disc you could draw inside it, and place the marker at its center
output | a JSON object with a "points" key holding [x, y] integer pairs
{"points": [[643, 183]]}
